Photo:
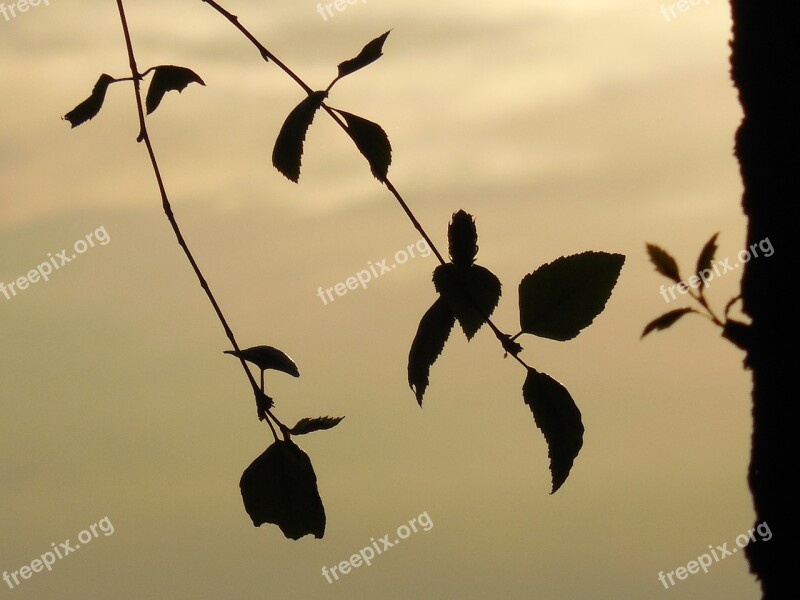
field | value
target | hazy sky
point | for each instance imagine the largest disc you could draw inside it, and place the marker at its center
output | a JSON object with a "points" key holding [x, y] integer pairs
{"points": [[562, 126]]}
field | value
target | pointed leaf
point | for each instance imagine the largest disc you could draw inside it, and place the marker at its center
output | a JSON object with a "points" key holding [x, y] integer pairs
{"points": [[464, 287], [165, 79], [89, 108], [706, 258], [666, 320], [316, 424], [558, 418], [664, 263], [561, 298], [462, 237], [288, 151], [369, 54], [432, 334], [280, 487], [372, 142], [267, 357]]}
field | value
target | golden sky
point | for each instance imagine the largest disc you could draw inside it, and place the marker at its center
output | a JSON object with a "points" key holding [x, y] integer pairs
{"points": [[562, 126]]}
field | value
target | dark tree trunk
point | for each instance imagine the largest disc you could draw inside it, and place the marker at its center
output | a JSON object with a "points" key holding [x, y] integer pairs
{"points": [[766, 71]]}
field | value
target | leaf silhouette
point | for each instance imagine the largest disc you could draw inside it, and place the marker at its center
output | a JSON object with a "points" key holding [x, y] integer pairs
{"points": [[288, 151], [664, 263], [462, 237], [89, 108], [666, 320], [167, 78], [372, 142], [706, 258], [462, 288], [559, 419], [369, 54], [316, 424], [267, 357], [563, 297], [432, 334], [280, 487]]}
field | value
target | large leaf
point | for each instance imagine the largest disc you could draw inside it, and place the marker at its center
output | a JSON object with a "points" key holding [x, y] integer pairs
{"points": [[664, 263], [167, 78], [666, 320], [559, 419], [280, 487], [706, 258], [462, 237], [288, 151], [316, 424], [89, 108], [563, 297], [464, 287], [372, 142], [432, 334], [369, 54], [267, 357]]}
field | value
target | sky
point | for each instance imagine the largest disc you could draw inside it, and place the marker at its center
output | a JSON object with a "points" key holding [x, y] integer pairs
{"points": [[561, 126]]}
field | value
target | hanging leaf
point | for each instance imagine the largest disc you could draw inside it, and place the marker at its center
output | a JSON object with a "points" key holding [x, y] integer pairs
{"points": [[165, 79], [288, 151], [280, 487], [432, 334], [369, 54], [664, 263], [559, 419], [89, 108], [316, 424], [563, 297], [462, 237], [706, 258], [267, 357], [372, 142], [463, 288], [666, 320]]}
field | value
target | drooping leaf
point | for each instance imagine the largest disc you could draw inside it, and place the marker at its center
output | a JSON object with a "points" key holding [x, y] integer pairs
{"points": [[664, 263], [463, 288], [558, 418], [666, 320], [372, 142], [462, 237], [280, 487], [165, 79], [561, 298], [314, 424], [432, 334], [89, 108], [369, 54], [706, 258], [267, 357], [288, 151]]}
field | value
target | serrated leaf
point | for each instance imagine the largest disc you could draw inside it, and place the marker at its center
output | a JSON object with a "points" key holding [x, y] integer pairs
{"points": [[666, 320], [288, 152], [664, 263], [559, 419], [167, 78], [432, 334], [369, 54], [280, 487], [561, 298], [372, 141], [462, 237], [706, 258], [310, 425], [464, 287], [267, 357], [89, 108]]}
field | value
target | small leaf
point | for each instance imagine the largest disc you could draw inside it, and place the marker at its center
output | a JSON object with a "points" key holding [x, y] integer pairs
{"points": [[432, 334], [89, 108], [316, 424], [706, 258], [462, 236], [165, 79], [664, 263], [267, 357], [559, 419], [372, 142], [288, 151], [463, 288], [666, 320], [369, 54], [561, 298], [280, 487]]}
